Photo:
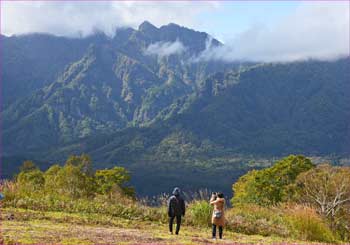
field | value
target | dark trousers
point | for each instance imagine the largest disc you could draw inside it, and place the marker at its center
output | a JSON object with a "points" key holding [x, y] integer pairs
{"points": [[178, 223], [220, 231]]}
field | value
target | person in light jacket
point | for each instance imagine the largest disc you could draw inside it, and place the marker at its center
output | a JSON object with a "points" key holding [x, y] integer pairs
{"points": [[176, 209], [218, 217]]}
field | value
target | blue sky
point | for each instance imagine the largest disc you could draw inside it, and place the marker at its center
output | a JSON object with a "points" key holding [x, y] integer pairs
{"points": [[221, 19], [235, 17]]}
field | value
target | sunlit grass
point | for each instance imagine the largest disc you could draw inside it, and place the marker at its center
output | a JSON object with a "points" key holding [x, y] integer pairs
{"points": [[33, 227]]}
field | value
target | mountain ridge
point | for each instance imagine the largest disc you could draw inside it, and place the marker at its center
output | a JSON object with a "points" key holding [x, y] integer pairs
{"points": [[111, 77], [112, 100]]}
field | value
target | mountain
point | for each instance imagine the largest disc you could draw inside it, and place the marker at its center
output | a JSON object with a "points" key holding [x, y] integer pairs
{"points": [[112, 84], [32, 61], [276, 109], [266, 110], [257, 114], [138, 100]]}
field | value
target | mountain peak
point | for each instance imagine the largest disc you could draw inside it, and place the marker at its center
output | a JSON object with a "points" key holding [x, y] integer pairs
{"points": [[173, 24], [146, 26]]}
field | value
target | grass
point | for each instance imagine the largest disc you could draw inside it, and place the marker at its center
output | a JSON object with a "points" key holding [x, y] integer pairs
{"points": [[34, 227]]}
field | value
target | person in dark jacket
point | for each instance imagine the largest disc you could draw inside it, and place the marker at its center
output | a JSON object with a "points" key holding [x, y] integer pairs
{"points": [[176, 209]]}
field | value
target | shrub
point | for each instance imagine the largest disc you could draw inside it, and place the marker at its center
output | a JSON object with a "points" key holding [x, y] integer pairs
{"points": [[157, 214], [306, 224], [287, 220], [271, 185], [30, 181], [73, 188], [342, 224], [110, 179], [328, 189], [253, 219], [199, 213]]}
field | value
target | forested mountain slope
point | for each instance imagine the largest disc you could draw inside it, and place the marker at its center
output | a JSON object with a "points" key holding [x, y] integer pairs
{"points": [[139, 99]]}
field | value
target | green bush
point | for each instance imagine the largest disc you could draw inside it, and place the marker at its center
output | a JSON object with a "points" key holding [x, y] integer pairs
{"points": [[253, 219], [199, 213], [306, 224], [342, 224], [73, 188], [156, 214], [30, 181], [292, 221], [271, 185]]}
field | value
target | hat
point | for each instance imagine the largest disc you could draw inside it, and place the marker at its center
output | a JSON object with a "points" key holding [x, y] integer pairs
{"points": [[176, 191]]}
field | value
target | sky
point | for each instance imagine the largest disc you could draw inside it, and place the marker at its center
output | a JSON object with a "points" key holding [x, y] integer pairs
{"points": [[252, 30]]}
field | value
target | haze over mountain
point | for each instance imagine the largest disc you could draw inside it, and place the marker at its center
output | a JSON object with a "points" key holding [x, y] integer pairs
{"points": [[143, 100]]}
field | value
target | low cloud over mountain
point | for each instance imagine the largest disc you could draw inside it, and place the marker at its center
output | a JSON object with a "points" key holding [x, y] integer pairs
{"points": [[318, 30], [162, 49]]}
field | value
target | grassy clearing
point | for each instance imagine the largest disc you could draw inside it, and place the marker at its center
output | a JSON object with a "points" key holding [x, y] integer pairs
{"points": [[31, 227], [72, 204]]}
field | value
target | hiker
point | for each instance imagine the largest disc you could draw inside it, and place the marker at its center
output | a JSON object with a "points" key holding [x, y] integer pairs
{"points": [[218, 217], [176, 209]]}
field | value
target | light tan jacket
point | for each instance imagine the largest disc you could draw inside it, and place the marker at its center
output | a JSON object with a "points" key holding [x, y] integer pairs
{"points": [[219, 205]]}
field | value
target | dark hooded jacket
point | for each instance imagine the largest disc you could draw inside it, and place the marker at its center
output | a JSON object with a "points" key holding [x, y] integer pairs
{"points": [[176, 204]]}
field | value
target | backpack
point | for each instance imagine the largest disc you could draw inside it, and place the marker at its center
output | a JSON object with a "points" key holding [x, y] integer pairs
{"points": [[217, 214]]}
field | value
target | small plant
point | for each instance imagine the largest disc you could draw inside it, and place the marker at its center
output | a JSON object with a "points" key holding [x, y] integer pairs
{"points": [[199, 213], [253, 219], [306, 224]]}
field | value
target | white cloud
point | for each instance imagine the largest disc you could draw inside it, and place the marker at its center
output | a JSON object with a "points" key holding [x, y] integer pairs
{"points": [[163, 49], [71, 18], [314, 30]]}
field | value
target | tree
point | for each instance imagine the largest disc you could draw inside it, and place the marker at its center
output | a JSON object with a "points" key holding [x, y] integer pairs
{"points": [[28, 166], [83, 162], [327, 188], [73, 182], [30, 179], [30, 182], [245, 189], [109, 179], [51, 179], [271, 185]]}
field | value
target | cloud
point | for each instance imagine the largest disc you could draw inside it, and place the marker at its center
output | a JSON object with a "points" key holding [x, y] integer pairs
{"points": [[163, 49], [314, 30], [74, 18]]}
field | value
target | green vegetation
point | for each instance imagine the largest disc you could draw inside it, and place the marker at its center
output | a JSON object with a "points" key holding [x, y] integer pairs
{"points": [[166, 121], [37, 227], [106, 97], [327, 188], [319, 196], [199, 213], [271, 185], [289, 221], [73, 187], [75, 194], [65, 89]]}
